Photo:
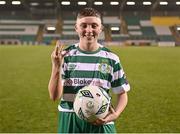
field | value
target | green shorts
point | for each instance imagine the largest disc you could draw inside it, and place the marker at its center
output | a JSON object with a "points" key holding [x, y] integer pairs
{"points": [[70, 123]]}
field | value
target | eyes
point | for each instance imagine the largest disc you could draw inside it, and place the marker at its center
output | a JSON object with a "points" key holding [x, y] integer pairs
{"points": [[85, 25]]}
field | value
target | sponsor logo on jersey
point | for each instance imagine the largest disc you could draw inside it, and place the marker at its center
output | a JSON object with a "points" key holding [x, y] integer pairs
{"points": [[82, 82], [71, 67], [68, 82]]}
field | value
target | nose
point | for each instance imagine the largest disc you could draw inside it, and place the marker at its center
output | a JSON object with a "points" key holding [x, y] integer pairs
{"points": [[89, 29]]}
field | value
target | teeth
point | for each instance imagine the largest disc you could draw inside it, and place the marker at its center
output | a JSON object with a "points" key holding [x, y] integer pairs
{"points": [[89, 36]]}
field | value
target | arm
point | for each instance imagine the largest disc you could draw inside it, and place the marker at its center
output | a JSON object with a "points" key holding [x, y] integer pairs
{"points": [[55, 83], [122, 100]]}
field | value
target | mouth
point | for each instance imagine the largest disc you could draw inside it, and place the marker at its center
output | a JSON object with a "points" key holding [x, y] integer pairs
{"points": [[89, 36]]}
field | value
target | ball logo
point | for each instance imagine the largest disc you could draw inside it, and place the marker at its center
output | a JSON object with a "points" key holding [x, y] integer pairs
{"points": [[81, 114], [98, 95], [90, 105], [102, 109], [86, 93]]}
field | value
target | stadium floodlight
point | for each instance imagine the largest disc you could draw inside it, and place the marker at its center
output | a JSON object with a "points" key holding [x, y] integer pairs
{"points": [[98, 3], [147, 3], [51, 28], [2, 2], [130, 3], [163, 3], [16, 2], [34, 4], [65, 3], [177, 2], [82, 3], [114, 3], [114, 28]]}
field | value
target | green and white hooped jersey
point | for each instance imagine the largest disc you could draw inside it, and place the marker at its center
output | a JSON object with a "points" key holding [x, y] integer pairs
{"points": [[101, 68]]}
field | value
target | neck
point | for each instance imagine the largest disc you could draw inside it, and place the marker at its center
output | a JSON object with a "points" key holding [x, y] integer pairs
{"points": [[85, 46]]}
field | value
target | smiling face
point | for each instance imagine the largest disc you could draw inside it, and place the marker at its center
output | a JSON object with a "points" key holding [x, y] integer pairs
{"points": [[88, 29]]}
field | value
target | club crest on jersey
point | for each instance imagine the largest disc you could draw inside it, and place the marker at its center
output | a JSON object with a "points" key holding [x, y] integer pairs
{"points": [[104, 68]]}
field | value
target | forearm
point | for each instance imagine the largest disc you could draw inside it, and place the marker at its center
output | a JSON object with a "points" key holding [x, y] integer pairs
{"points": [[122, 100], [55, 84], [114, 113]]}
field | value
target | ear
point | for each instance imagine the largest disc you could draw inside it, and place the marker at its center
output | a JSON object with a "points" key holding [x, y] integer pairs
{"points": [[102, 27], [75, 27]]}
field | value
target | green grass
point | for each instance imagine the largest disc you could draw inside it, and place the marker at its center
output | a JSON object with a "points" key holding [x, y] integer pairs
{"points": [[153, 73]]}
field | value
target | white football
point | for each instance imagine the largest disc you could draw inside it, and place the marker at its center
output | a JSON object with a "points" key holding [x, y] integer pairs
{"points": [[91, 102]]}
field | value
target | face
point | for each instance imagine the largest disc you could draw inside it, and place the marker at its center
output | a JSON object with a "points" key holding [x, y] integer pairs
{"points": [[88, 28]]}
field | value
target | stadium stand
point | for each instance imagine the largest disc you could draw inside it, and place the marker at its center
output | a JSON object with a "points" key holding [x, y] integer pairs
{"points": [[68, 31], [109, 22], [164, 31], [147, 28], [22, 31], [136, 24]]}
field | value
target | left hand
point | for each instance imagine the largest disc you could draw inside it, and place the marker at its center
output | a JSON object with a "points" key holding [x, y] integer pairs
{"points": [[110, 117]]}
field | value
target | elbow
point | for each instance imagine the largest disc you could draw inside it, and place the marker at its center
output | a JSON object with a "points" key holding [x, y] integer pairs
{"points": [[55, 92], [53, 98], [124, 96], [52, 95]]}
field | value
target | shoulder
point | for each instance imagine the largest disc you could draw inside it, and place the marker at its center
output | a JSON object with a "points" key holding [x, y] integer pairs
{"points": [[71, 47], [71, 50], [109, 54], [105, 48]]}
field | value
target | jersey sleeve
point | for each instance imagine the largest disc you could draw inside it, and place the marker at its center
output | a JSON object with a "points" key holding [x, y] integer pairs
{"points": [[119, 81]]}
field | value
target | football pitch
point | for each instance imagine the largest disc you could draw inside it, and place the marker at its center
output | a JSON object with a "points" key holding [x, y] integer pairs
{"points": [[154, 98]]}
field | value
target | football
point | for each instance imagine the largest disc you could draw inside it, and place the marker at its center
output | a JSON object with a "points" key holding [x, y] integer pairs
{"points": [[91, 102]]}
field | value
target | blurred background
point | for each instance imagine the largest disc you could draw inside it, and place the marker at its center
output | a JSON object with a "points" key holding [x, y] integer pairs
{"points": [[127, 22]]}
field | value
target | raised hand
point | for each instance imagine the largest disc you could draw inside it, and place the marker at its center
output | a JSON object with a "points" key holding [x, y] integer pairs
{"points": [[58, 54]]}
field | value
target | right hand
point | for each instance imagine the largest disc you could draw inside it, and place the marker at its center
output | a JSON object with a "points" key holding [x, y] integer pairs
{"points": [[57, 55], [111, 116]]}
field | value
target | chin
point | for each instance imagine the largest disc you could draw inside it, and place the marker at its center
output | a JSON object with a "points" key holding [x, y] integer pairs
{"points": [[91, 41]]}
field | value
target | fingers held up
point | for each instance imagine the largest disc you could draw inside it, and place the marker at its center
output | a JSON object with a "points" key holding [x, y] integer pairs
{"points": [[58, 48], [58, 54]]}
